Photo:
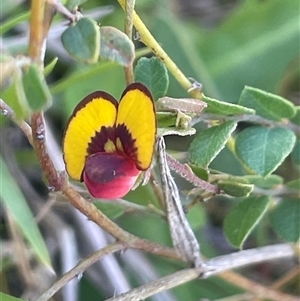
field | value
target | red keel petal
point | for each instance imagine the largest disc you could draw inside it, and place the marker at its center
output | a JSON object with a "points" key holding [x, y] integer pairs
{"points": [[109, 175]]}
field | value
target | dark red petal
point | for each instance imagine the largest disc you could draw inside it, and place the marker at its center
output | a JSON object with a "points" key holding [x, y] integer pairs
{"points": [[108, 175]]}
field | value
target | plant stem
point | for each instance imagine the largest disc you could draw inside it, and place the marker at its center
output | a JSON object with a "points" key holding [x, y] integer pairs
{"points": [[79, 269], [185, 171], [129, 9], [249, 118], [129, 240], [148, 40], [215, 266], [36, 31], [218, 266], [159, 285]]}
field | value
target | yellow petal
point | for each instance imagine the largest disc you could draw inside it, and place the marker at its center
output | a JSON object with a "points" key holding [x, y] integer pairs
{"points": [[97, 110], [136, 120]]}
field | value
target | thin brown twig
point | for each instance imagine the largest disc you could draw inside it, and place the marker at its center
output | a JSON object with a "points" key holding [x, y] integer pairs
{"points": [[184, 276], [286, 278], [249, 118], [158, 285], [129, 240], [216, 266], [186, 172], [79, 269], [258, 290], [56, 179], [225, 263], [157, 189], [59, 7]]}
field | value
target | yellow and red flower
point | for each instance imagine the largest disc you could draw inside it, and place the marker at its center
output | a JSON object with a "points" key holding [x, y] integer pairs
{"points": [[107, 144]]}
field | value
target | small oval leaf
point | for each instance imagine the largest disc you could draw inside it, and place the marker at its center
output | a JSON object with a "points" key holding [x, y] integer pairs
{"points": [[82, 40], [36, 89], [199, 172], [263, 149], [218, 107], [153, 74], [209, 143], [166, 119], [236, 189], [48, 69], [285, 218], [294, 184], [15, 97], [267, 105], [239, 223], [116, 46], [267, 182], [296, 117], [110, 209]]}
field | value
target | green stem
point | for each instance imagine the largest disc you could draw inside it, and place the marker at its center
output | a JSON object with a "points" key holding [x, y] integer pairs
{"points": [[129, 9], [149, 40]]}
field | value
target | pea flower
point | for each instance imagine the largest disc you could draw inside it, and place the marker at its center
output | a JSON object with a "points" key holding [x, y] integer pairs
{"points": [[108, 144]]}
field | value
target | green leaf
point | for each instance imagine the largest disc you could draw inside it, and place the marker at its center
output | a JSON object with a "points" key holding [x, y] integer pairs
{"points": [[110, 209], [264, 182], [82, 40], [196, 217], [296, 153], [14, 201], [202, 173], [35, 88], [294, 184], [296, 117], [263, 149], [116, 46], [48, 69], [5, 297], [15, 97], [223, 108], [209, 143], [239, 223], [285, 218], [266, 104], [153, 74], [165, 119], [235, 189]]}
